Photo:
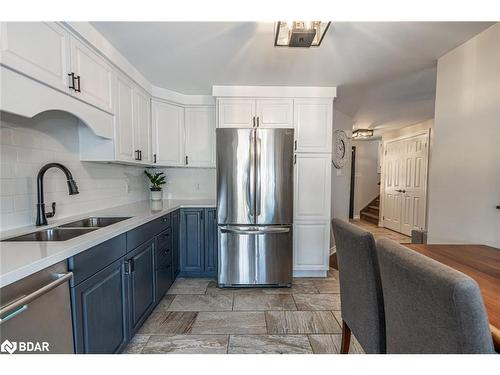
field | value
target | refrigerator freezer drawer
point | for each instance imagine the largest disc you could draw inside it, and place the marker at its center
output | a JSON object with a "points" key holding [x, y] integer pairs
{"points": [[255, 256]]}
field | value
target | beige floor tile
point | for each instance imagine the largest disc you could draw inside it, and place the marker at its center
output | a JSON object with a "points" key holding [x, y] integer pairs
{"points": [[327, 285], [136, 345], [231, 322], [269, 344], [165, 302], [263, 302], [208, 302], [330, 344], [301, 322], [379, 232], [189, 286], [186, 344], [168, 322], [317, 301]]}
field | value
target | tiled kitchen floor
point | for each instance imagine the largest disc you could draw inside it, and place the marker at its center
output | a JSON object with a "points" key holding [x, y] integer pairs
{"points": [[197, 317]]}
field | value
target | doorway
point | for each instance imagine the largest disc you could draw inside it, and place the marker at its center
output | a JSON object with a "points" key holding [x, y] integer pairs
{"points": [[353, 179], [404, 196]]}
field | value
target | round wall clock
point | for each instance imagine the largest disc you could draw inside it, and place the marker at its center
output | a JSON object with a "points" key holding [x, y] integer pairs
{"points": [[340, 148]]}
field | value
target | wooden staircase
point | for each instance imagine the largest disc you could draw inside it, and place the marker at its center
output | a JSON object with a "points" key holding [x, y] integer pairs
{"points": [[371, 211]]}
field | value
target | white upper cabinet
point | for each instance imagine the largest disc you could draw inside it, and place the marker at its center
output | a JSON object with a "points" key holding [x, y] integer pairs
{"points": [[200, 136], [142, 126], [313, 125], [236, 113], [124, 120], [168, 134], [274, 113], [312, 179], [93, 76], [37, 49]]}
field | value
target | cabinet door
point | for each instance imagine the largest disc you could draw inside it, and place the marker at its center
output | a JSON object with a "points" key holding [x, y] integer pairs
{"points": [[168, 134], [210, 241], [96, 76], [37, 49], [200, 136], [100, 311], [312, 177], [175, 242], [141, 281], [313, 125], [142, 125], [192, 241], [124, 120], [236, 113], [311, 245], [275, 113]]}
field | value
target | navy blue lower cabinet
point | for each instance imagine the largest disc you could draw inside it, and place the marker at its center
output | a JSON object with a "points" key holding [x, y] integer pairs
{"points": [[100, 310], [211, 243], [198, 242], [176, 256], [192, 241], [140, 271]]}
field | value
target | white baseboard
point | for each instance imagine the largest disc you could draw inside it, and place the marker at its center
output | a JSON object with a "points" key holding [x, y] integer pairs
{"points": [[315, 273], [357, 217]]}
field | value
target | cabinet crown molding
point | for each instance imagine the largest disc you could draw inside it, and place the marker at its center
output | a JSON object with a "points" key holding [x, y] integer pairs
{"points": [[274, 91]]}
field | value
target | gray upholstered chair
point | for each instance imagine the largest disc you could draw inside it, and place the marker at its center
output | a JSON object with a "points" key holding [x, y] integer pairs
{"points": [[360, 288], [430, 307]]}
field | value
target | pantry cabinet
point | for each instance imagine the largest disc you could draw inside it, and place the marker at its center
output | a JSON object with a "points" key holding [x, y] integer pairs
{"points": [[312, 180], [313, 124], [311, 242]]}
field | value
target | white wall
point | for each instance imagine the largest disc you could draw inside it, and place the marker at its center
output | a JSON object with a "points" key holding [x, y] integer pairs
{"points": [[341, 178], [366, 176], [28, 144], [464, 181]]}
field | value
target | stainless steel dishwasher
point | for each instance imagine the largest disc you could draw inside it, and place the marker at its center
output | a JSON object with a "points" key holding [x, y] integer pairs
{"points": [[35, 313]]}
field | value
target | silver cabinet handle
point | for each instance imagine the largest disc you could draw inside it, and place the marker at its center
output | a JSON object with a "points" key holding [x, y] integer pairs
{"points": [[253, 230], [22, 303]]}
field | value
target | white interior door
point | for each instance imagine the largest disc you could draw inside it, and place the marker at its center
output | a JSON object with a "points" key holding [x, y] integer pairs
{"points": [[413, 203], [405, 183]]}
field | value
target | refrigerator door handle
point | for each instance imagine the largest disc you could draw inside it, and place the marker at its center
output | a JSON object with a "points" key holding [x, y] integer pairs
{"points": [[254, 230], [251, 177], [257, 175]]}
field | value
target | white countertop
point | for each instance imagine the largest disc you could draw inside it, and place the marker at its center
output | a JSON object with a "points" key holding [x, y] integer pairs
{"points": [[21, 259]]}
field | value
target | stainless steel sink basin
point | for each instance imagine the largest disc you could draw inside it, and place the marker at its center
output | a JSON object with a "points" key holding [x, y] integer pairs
{"points": [[53, 234], [94, 222]]}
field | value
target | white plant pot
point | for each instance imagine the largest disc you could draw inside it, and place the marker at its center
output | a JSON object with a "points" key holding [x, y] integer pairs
{"points": [[156, 195]]}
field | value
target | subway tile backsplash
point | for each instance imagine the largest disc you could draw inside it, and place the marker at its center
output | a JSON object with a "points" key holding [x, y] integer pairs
{"points": [[28, 144]]}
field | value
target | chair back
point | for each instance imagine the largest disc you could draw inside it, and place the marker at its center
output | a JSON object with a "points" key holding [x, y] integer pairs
{"points": [[430, 307], [360, 287]]}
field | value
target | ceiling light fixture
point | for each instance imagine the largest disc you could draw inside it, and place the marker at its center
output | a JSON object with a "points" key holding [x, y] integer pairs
{"points": [[362, 133], [300, 33]]}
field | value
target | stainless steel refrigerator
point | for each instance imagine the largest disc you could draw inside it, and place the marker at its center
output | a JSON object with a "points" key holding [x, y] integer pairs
{"points": [[255, 206]]}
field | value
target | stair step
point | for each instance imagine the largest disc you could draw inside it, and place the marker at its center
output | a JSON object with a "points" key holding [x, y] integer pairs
{"points": [[376, 208], [370, 215]]}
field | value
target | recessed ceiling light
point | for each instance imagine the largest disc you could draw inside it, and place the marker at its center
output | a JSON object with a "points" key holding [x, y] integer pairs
{"points": [[300, 33]]}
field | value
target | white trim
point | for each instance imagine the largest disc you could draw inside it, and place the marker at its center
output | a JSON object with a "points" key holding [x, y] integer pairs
{"points": [[356, 217], [309, 273], [274, 91], [183, 99]]}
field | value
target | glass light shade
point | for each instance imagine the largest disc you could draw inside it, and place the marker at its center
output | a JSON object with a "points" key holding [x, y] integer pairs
{"points": [[300, 33]]}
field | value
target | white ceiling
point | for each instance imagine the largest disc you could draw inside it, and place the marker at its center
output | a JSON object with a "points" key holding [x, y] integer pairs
{"points": [[385, 72]]}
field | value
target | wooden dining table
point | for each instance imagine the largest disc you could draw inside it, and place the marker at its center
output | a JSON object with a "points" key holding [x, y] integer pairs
{"points": [[480, 262]]}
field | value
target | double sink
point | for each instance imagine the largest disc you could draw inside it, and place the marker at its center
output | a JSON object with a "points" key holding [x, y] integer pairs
{"points": [[68, 231]]}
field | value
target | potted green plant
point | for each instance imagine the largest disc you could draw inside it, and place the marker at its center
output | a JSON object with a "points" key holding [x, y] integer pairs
{"points": [[157, 180]]}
